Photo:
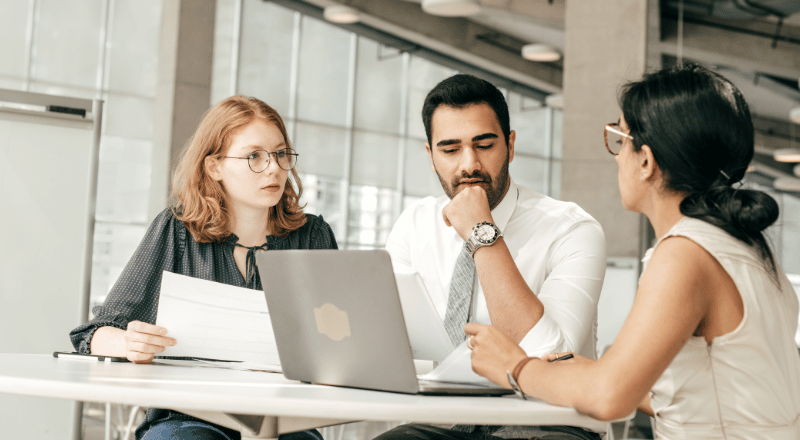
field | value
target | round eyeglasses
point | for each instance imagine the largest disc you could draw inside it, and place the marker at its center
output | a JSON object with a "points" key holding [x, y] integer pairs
{"points": [[258, 160], [613, 138]]}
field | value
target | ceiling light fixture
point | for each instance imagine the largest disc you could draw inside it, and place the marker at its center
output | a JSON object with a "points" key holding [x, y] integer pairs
{"points": [[556, 100], [341, 14], [787, 184], [542, 53], [794, 115], [786, 155], [451, 8]]}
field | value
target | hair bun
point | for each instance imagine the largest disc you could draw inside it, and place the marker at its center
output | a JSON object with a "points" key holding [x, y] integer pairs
{"points": [[743, 213], [752, 210]]}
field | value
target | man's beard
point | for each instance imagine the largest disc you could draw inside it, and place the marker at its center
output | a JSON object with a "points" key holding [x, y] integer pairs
{"points": [[495, 188]]}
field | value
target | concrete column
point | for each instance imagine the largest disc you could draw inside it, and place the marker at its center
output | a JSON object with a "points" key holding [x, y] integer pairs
{"points": [[184, 86], [606, 45]]}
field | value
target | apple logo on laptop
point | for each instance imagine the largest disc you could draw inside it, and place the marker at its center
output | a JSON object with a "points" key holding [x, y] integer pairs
{"points": [[332, 322]]}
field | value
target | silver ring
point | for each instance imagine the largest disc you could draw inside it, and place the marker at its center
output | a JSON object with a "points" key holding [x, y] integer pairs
{"points": [[469, 343]]}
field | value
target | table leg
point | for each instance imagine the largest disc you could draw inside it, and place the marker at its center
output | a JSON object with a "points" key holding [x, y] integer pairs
{"points": [[108, 421]]}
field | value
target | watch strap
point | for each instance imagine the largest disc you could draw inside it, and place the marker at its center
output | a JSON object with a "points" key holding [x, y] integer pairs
{"points": [[513, 377]]}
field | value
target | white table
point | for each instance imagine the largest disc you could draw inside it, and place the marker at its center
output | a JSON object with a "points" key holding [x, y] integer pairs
{"points": [[261, 405]]}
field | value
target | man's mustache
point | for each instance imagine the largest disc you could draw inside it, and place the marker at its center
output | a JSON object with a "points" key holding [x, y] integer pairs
{"points": [[476, 175]]}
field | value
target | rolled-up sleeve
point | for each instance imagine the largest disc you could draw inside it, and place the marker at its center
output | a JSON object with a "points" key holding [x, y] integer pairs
{"points": [[134, 296], [570, 293]]}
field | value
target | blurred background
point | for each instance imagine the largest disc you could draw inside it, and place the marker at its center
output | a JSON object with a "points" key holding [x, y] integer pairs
{"points": [[349, 78]]}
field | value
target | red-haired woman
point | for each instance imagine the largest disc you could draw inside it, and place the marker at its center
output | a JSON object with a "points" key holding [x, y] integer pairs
{"points": [[232, 194]]}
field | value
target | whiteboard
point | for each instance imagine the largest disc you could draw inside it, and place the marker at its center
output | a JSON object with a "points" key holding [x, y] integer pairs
{"points": [[48, 186]]}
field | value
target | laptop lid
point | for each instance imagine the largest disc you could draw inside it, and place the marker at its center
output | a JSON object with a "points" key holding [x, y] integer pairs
{"points": [[337, 318]]}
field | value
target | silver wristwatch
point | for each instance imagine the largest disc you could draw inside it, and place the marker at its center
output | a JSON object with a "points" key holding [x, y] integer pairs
{"points": [[483, 234]]}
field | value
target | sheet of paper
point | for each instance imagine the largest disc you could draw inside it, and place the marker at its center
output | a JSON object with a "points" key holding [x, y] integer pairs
{"points": [[216, 321], [457, 368], [426, 333], [245, 366]]}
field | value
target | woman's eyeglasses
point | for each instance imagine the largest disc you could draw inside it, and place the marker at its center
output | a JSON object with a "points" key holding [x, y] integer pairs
{"points": [[258, 160], [613, 137]]}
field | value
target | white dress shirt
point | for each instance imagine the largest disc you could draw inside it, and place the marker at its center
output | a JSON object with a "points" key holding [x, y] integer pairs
{"points": [[559, 249]]}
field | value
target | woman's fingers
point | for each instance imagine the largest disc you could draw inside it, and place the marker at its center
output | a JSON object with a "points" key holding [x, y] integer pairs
{"points": [[139, 358], [143, 327], [139, 331], [144, 338], [144, 348], [143, 341]]}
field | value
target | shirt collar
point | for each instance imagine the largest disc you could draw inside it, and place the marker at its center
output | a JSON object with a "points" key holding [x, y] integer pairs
{"points": [[503, 211]]}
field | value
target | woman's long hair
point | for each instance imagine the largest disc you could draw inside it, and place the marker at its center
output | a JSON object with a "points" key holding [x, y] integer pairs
{"points": [[698, 126], [200, 201]]}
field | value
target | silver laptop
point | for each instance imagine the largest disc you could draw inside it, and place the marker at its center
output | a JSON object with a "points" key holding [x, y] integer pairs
{"points": [[337, 320]]}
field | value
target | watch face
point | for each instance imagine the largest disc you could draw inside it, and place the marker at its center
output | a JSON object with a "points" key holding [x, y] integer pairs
{"points": [[485, 234]]}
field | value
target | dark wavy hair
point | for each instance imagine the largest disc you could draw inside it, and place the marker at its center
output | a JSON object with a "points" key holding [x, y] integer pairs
{"points": [[461, 91], [698, 126]]}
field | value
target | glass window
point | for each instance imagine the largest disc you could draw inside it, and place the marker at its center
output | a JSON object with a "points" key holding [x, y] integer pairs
{"points": [[58, 89], [14, 35], [129, 116], [375, 159], [558, 133], [12, 83], [266, 54], [530, 172], [114, 244], [423, 75], [370, 216], [555, 179], [224, 39], [530, 121], [420, 180], [133, 47], [322, 149], [322, 92], [378, 87], [325, 135], [67, 39], [124, 176], [323, 196]]}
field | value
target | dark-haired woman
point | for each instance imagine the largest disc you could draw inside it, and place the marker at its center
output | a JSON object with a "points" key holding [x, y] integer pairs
{"points": [[235, 190], [708, 347]]}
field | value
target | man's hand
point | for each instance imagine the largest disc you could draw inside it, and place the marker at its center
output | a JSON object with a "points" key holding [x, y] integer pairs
{"points": [[468, 208], [143, 341], [493, 353]]}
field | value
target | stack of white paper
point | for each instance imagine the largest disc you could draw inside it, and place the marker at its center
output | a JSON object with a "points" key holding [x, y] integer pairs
{"points": [[216, 321], [457, 368]]}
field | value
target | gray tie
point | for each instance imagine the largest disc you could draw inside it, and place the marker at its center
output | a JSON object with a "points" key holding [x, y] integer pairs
{"points": [[458, 305], [460, 298]]}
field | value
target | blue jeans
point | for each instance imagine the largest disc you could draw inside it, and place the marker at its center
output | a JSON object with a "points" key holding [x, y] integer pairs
{"points": [[415, 431], [200, 430]]}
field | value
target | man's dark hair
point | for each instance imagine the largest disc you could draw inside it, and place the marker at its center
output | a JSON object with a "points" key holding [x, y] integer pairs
{"points": [[461, 91]]}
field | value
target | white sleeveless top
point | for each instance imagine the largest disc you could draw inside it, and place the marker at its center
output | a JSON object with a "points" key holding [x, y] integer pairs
{"points": [[746, 384]]}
